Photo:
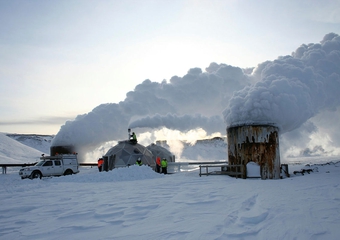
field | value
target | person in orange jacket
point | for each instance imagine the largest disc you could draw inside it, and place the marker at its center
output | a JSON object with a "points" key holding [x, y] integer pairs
{"points": [[100, 164], [158, 164]]}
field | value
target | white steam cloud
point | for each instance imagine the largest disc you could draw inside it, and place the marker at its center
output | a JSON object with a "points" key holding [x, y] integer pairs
{"points": [[198, 98], [291, 89], [287, 92], [182, 123]]}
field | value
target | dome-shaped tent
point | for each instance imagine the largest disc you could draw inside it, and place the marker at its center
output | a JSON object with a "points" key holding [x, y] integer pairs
{"points": [[158, 151], [126, 154]]}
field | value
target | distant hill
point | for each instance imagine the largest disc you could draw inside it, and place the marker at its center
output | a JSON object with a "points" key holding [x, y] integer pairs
{"points": [[12, 151], [206, 149], [39, 142]]}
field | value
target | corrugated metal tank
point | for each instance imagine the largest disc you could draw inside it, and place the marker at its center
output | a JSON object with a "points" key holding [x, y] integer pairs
{"points": [[255, 143]]}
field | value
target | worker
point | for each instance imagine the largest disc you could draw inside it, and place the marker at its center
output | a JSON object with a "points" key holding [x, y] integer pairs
{"points": [[139, 162], [158, 164], [164, 165], [100, 164], [133, 138]]}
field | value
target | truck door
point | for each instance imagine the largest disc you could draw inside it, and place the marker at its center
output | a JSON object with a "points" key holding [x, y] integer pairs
{"points": [[48, 168], [58, 167]]}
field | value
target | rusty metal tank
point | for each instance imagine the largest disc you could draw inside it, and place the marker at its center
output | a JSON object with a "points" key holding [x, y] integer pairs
{"points": [[255, 143]]}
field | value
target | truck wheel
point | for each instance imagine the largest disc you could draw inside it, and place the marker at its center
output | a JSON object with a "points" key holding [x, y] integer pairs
{"points": [[36, 174], [68, 172]]}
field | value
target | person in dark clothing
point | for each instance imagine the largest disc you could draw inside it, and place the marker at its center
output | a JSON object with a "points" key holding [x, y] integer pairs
{"points": [[139, 162], [164, 165]]}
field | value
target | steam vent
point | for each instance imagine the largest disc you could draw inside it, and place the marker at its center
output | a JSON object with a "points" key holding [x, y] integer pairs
{"points": [[255, 143]]}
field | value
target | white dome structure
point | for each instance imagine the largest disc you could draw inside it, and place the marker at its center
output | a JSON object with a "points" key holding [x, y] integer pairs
{"points": [[158, 151], [126, 154]]}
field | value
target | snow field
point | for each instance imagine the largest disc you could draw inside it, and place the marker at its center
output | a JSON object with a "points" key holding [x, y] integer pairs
{"points": [[137, 203]]}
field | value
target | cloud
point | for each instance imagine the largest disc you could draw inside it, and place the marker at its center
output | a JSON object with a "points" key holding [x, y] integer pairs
{"points": [[182, 123], [41, 120], [291, 89]]}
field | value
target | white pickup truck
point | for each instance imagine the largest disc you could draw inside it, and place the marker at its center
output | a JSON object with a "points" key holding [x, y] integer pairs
{"points": [[58, 165]]}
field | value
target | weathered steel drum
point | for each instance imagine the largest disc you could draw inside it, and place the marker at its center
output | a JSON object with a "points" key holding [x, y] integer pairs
{"points": [[256, 143]]}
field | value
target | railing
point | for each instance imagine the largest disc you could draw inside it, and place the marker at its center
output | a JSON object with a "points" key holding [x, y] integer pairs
{"points": [[187, 166], [88, 164], [177, 166], [5, 165], [231, 170]]}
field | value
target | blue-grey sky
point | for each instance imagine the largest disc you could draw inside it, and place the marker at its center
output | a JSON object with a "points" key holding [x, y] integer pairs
{"points": [[60, 59]]}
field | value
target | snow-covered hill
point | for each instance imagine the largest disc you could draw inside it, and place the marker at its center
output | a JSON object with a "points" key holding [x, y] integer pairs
{"points": [[212, 149], [207, 149], [39, 142], [12, 151]]}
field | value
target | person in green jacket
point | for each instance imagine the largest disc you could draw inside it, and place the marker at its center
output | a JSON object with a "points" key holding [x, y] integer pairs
{"points": [[134, 138], [139, 162], [164, 165]]}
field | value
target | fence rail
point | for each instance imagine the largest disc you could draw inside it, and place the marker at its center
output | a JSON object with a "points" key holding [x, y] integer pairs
{"points": [[4, 166], [177, 165], [231, 170]]}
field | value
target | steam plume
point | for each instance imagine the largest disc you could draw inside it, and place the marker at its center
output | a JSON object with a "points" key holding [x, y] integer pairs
{"points": [[291, 89], [286, 92]]}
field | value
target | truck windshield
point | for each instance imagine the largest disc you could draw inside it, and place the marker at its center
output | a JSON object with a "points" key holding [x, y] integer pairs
{"points": [[40, 163]]}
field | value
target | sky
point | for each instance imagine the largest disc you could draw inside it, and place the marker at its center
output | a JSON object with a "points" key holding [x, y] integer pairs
{"points": [[138, 203], [61, 59]]}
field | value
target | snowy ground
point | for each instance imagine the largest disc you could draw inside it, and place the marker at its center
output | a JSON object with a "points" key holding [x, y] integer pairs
{"points": [[137, 203]]}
